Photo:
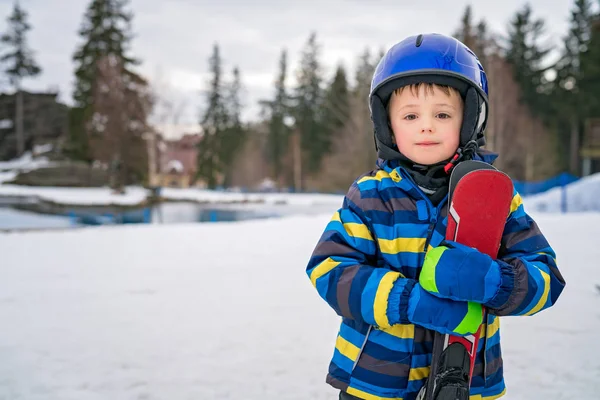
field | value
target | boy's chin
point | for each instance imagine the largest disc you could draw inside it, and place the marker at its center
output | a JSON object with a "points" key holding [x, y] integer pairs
{"points": [[428, 160]]}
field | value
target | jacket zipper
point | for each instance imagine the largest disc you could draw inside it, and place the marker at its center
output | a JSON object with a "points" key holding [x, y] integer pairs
{"points": [[433, 211], [487, 324], [362, 347]]}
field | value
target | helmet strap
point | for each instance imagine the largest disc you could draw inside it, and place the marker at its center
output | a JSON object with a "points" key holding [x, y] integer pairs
{"points": [[463, 153]]}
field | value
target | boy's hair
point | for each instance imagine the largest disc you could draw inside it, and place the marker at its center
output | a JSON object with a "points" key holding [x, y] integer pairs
{"points": [[414, 89]]}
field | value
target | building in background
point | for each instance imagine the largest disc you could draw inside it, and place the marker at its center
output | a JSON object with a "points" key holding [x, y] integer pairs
{"points": [[45, 123], [173, 162]]}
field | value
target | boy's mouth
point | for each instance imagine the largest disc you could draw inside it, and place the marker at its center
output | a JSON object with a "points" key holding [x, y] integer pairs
{"points": [[427, 143]]}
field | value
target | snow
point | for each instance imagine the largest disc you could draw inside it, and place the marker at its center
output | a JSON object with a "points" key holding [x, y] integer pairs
{"points": [[7, 176], [25, 162], [225, 311], [42, 148], [582, 195], [77, 196], [555, 354], [135, 195]]}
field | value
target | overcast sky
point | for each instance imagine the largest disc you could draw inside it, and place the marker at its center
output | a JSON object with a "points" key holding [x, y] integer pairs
{"points": [[174, 38]]}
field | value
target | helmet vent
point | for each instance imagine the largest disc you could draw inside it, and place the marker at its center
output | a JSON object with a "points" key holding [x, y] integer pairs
{"points": [[419, 40]]}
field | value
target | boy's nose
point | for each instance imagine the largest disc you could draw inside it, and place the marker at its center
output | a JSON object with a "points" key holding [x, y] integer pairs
{"points": [[426, 125]]}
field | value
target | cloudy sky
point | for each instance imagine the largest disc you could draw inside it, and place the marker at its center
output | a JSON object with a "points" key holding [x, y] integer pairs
{"points": [[174, 38]]}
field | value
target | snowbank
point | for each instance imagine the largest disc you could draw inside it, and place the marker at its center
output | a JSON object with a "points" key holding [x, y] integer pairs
{"points": [[582, 196]]}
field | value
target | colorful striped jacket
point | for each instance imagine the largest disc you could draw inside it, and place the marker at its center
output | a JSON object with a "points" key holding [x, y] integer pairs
{"points": [[377, 241]]}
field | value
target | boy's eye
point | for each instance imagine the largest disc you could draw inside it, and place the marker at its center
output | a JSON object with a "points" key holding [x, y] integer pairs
{"points": [[443, 116], [410, 117]]}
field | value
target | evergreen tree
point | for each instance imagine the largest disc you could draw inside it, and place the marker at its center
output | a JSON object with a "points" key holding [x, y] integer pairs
{"points": [[474, 37], [18, 58], [571, 103], [105, 32], [19, 64], [364, 74], [466, 31], [361, 112], [582, 53], [279, 131], [590, 70], [234, 135], [214, 123], [308, 108], [337, 103], [528, 59]]}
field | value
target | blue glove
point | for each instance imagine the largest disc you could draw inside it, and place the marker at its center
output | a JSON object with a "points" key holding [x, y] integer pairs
{"points": [[458, 272], [443, 315]]}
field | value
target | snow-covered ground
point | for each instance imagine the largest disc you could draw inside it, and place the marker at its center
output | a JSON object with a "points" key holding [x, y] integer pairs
{"points": [[225, 311], [77, 196], [7, 176], [25, 163]]}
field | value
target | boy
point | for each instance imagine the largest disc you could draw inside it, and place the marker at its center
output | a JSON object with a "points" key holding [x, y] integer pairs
{"points": [[429, 108]]}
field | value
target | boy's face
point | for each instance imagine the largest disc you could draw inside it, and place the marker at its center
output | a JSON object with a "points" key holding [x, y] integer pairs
{"points": [[426, 123]]}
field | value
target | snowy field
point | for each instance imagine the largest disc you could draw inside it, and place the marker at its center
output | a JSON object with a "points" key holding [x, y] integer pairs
{"points": [[225, 311]]}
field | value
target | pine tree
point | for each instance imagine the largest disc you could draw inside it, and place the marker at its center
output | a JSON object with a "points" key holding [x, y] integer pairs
{"points": [[360, 109], [571, 101], [214, 123], [474, 37], [19, 62], [234, 135], [308, 110], [528, 58], [279, 131], [466, 32], [105, 31], [337, 103], [364, 74], [590, 71]]}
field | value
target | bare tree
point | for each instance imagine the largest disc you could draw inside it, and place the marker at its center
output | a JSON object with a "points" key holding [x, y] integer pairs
{"points": [[121, 104]]}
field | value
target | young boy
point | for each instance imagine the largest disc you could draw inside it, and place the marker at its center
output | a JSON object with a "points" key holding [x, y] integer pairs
{"points": [[429, 108]]}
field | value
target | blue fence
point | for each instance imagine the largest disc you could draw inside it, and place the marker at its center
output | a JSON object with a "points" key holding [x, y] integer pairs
{"points": [[562, 180], [529, 188]]}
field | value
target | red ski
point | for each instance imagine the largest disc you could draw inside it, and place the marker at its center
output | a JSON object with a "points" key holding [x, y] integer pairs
{"points": [[479, 204]]}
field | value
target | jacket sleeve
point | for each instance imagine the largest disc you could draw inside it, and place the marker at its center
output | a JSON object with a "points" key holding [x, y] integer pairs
{"points": [[531, 281], [343, 268]]}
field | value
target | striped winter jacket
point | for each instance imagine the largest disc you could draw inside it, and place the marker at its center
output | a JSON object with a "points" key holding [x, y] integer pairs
{"points": [[376, 241]]}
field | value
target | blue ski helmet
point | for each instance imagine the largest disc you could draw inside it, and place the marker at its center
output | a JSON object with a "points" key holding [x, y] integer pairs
{"points": [[429, 58]]}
